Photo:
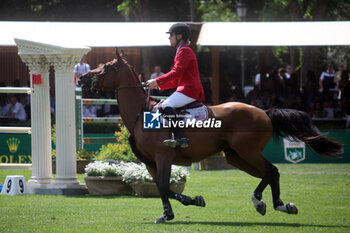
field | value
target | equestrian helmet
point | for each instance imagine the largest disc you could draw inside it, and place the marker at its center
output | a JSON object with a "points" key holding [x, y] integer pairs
{"points": [[180, 28]]}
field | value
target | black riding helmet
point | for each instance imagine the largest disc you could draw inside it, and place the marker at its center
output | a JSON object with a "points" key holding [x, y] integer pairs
{"points": [[181, 28]]}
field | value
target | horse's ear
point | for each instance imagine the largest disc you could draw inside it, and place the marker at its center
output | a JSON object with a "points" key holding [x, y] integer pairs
{"points": [[118, 55], [122, 54]]}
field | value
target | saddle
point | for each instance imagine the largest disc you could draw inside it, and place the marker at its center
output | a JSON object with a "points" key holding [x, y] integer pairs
{"points": [[195, 110]]}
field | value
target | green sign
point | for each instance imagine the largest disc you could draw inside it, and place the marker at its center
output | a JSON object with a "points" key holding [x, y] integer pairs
{"points": [[15, 148], [294, 151]]}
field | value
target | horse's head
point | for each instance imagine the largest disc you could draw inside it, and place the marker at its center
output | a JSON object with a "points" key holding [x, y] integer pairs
{"points": [[103, 77]]}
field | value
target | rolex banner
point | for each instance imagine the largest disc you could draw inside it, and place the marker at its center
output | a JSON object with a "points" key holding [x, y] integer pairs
{"points": [[294, 151], [15, 148]]}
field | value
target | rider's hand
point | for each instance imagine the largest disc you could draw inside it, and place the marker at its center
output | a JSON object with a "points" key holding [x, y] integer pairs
{"points": [[152, 83]]}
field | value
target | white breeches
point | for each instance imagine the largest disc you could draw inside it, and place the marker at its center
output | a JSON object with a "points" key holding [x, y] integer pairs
{"points": [[177, 100]]}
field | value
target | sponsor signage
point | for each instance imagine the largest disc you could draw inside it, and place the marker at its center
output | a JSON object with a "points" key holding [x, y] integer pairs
{"points": [[15, 148], [294, 151]]}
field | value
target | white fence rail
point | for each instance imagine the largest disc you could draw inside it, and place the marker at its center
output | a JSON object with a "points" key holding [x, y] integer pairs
{"points": [[16, 90]]}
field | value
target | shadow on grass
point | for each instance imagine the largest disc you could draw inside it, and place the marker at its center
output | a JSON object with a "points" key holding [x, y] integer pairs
{"points": [[88, 196], [247, 224]]}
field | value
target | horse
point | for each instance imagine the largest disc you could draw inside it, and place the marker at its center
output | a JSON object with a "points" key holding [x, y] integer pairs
{"points": [[245, 130]]}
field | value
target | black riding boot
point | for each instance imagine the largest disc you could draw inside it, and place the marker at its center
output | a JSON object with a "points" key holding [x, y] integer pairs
{"points": [[178, 138]]}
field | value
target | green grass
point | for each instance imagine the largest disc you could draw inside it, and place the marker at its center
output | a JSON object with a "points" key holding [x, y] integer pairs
{"points": [[320, 191]]}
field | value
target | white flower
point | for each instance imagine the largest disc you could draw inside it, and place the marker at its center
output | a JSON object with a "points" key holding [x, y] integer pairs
{"points": [[99, 168], [132, 172]]}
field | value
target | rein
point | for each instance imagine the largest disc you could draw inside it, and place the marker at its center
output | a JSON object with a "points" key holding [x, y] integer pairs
{"points": [[118, 68], [146, 105]]}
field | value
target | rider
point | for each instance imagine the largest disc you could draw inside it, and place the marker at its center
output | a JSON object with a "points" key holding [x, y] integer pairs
{"points": [[184, 75]]}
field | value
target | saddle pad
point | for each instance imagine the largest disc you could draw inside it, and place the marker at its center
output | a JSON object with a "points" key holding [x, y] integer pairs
{"points": [[199, 113]]}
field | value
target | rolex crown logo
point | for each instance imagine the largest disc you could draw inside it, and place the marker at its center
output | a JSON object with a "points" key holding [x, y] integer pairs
{"points": [[13, 143]]}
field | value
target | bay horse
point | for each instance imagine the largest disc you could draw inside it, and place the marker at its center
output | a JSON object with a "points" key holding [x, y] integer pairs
{"points": [[244, 133]]}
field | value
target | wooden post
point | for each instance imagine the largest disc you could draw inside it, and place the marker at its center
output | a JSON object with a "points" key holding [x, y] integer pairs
{"points": [[215, 84]]}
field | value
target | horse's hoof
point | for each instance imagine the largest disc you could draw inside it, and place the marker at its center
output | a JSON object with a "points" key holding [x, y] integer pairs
{"points": [[291, 208], [160, 219], [261, 208], [199, 201], [164, 218]]}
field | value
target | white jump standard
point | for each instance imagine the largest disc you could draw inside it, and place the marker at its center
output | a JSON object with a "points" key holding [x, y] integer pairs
{"points": [[39, 57]]}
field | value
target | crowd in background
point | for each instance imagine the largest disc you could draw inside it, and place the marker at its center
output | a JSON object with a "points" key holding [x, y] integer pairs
{"points": [[323, 97]]}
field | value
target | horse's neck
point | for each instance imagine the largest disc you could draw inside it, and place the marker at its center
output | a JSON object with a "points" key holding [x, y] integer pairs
{"points": [[131, 100]]}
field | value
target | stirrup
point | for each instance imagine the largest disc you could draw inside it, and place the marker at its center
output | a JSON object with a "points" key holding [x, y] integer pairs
{"points": [[182, 142], [170, 143]]}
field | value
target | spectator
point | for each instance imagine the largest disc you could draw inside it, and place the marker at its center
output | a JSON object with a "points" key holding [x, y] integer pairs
{"points": [[157, 72], [268, 79], [23, 100], [15, 110], [108, 110], [89, 110], [206, 82], [344, 85], [338, 75], [291, 79], [280, 82], [253, 98], [300, 104], [3, 100], [81, 68], [318, 111], [225, 88], [327, 80], [274, 102], [310, 88], [328, 104], [156, 92], [238, 93]]}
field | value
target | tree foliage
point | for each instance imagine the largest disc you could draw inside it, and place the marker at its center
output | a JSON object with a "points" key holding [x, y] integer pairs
{"points": [[217, 10]]}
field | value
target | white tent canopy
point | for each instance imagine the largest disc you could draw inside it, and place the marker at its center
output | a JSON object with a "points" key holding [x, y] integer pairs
{"points": [[109, 34], [275, 33], [78, 34]]}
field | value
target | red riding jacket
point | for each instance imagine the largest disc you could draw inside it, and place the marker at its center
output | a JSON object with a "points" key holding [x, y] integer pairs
{"points": [[184, 75]]}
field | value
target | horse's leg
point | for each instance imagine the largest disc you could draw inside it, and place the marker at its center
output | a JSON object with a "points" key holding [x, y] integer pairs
{"points": [[273, 178], [186, 200], [270, 176], [234, 159], [163, 162], [153, 172]]}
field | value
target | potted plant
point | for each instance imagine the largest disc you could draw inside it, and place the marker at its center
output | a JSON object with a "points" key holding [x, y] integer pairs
{"points": [[103, 178], [143, 184]]}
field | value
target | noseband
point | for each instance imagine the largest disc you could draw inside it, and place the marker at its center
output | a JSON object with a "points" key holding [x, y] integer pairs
{"points": [[117, 67]]}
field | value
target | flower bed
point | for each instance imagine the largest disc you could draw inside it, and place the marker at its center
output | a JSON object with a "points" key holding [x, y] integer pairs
{"points": [[138, 173], [133, 174], [106, 179]]}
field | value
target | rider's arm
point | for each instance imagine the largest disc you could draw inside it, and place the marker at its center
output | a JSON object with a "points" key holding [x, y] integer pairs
{"points": [[182, 61]]}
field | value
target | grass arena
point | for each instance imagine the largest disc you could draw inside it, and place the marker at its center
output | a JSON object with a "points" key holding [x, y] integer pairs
{"points": [[321, 192]]}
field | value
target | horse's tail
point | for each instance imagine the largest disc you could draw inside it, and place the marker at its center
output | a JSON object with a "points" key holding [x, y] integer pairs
{"points": [[298, 125]]}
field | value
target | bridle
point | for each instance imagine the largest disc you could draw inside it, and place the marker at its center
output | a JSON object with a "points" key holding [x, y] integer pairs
{"points": [[117, 67]]}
